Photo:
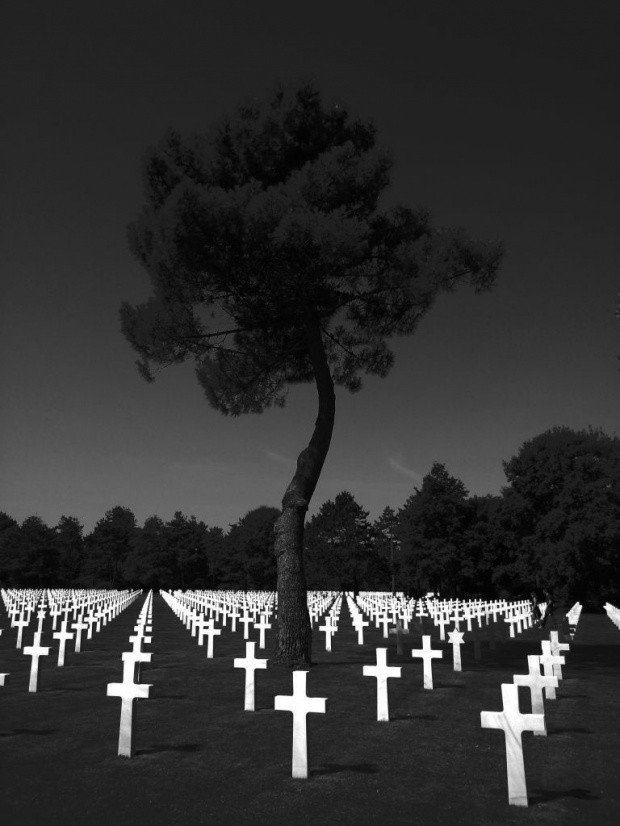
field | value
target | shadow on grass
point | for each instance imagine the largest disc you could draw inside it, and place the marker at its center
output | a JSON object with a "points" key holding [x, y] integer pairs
{"points": [[538, 796], [38, 731], [156, 749], [334, 768], [569, 731], [412, 718]]}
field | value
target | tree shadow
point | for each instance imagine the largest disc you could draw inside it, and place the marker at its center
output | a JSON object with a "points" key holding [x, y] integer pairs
{"points": [[334, 768], [411, 718], [569, 731], [539, 796], [184, 747], [38, 731]]}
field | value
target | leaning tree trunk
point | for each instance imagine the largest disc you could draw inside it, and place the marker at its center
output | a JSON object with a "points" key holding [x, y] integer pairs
{"points": [[294, 635]]}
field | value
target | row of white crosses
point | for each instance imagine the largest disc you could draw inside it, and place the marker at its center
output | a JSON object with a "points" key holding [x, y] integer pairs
{"points": [[130, 689], [17, 602], [192, 609], [514, 723]]}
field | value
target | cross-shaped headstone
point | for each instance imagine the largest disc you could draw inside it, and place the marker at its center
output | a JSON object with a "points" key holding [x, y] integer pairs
{"points": [[428, 655], [79, 626], [246, 620], [360, 623], [4, 678], [63, 635], [556, 649], [513, 724], [549, 662], [250, 663], [21, 623], [535, 681], [262, 626], [35, 651], [329, 630], [128, 691], [382, 671], [300, 705], [211, 631]]}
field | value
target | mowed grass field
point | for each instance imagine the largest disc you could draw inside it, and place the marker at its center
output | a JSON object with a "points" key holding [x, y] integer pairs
{"points": [[201, 759]]}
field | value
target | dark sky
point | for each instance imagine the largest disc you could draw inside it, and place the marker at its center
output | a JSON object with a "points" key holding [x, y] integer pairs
{"points": [[502, 117]]}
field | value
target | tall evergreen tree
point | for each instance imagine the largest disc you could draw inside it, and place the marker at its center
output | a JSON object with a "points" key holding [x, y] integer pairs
{"points": [[272, 264], [340, 548], [106, 549], [433, 522], [70, 545]]}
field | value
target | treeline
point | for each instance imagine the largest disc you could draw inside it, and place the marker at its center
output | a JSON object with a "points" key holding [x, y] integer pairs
{"points": [[556, 524]]}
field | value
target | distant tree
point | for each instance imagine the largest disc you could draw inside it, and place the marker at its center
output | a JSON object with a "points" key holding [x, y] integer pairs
{"points": [[340, 548], [483, 548], [34, 554], [188, 539], [9, 533], [217, 551], [388, 544], [565, 489], [432, 529], [250, 549], [272, 264], [106, 549], [70, 545], [150, 562]]}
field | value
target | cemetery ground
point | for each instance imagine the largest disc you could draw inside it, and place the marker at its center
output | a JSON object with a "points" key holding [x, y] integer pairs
{"points": [[200, 758]]}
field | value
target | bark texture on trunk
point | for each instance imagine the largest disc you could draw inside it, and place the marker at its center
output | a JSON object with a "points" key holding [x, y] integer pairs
{"points": [[294, 635]]}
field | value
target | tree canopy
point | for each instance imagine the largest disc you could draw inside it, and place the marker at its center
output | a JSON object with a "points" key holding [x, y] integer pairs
{"points": [[272, 263]]}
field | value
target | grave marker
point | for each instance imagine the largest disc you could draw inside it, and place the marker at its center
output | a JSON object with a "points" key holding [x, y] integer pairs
{"points": [[300, 705], [128, 691], [35, 651], [513, 724], [382, 671], [428, 655], [535, 681], [250, 664]]}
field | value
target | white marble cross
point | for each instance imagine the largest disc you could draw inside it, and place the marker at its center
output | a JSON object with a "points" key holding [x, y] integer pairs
{"points": [[300, 705], [250, 663], [262, 626], [428, 655], [556, 649], [79, 626], [35, 651], [513, 724], [329, 632], [535, 681], [549, 663], [128, 691], [21, 623], [382, 671], [63, 635], [245, 620], [360, 623], [211, 631], [456, 638], [4, 678]]}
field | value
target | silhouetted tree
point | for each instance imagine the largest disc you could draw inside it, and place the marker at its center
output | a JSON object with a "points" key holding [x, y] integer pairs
{"points": [[340, 548], [70, 545], [106, 549], [432, 525], [250, 548], [272, 264], [151, 562], [564, 486], [188, 542], [388, 544], [9, 534]]}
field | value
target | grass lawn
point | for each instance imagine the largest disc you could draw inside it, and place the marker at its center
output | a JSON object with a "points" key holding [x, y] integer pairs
{"points": [[200, 759]]}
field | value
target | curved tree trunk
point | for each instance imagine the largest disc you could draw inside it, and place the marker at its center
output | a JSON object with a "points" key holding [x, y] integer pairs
{"points": [[294, 634]]}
